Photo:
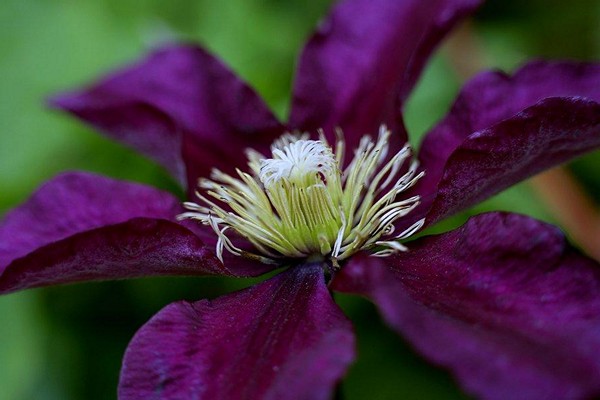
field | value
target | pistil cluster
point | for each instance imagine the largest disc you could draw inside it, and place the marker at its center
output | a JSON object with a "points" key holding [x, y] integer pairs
{"points": [[299, 204]]}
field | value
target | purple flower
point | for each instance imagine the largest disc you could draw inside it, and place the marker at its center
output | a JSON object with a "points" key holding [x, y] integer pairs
{"points": [[504, 301]]}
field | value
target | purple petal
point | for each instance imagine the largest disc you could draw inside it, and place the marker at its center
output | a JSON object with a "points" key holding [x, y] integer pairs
{"points": [[181, 107], [76, 202], [140, 247], [504, 302], [283, 338], [553, 131], [493, 97], [364, 59], [134, 122], [82, 226]]}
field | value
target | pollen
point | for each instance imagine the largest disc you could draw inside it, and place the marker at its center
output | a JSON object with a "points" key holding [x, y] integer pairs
{"points": [[300, 204]]}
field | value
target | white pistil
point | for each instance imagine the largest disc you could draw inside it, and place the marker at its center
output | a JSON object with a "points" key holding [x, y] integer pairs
{"points": [[298, 203]]}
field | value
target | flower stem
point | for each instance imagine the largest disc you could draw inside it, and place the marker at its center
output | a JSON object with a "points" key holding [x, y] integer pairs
{"points": [[571, 206]]}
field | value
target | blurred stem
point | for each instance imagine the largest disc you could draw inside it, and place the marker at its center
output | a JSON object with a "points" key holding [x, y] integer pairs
{"points": [[464, 52], [573, 208], [563, 196]]}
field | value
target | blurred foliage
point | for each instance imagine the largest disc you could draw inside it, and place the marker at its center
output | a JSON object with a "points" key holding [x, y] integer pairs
{"points": [[67, 342]]}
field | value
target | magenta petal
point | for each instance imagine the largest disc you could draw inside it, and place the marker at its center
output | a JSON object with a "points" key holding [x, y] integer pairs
{"points": [[363, 60], [134, 122], [76, 202], [180, 106], [140, 247], [504, 302], [549, 133], [282, 339], [492, 97], [81, 226]]}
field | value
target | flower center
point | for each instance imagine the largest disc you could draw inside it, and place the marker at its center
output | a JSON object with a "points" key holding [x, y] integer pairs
{"points": [[299, 204]]}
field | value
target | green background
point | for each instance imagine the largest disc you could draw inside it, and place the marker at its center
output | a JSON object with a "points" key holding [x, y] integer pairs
{"points": [[67, 342]]}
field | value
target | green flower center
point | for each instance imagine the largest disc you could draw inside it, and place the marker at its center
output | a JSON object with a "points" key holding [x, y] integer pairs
{"points": [[299, 204]]}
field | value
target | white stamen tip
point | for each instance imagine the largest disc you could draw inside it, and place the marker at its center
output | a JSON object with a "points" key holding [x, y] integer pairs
{"points": [[296, 160]]}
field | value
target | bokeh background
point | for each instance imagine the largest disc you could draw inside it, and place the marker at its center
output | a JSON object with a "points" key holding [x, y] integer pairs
{"points": [[67, 342]]}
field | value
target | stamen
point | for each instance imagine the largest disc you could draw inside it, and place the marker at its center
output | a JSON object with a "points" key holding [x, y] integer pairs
{"points": [[299, 204]]}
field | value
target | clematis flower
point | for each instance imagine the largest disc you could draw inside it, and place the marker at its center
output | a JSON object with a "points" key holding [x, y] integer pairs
{"points": [[503, 302]]}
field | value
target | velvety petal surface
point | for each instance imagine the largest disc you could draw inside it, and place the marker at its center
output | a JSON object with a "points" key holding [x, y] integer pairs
{"points": [[494, 98], [180, 106], [364, 58], [80, 226], [549, 133], [281, 339], [503, 302]]}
